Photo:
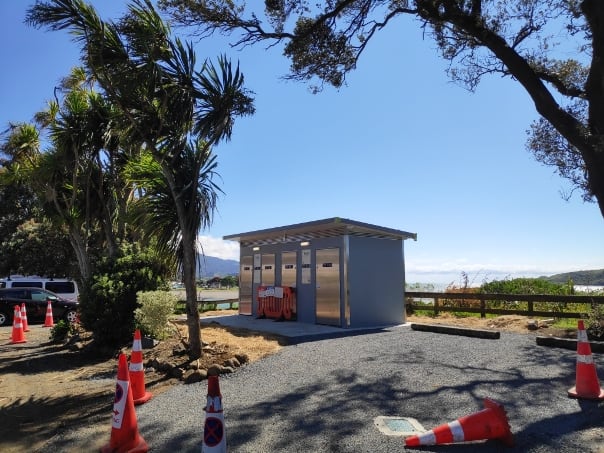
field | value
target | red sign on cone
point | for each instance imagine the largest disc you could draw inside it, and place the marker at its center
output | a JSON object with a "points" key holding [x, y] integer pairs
{"points": [[214, 436]]}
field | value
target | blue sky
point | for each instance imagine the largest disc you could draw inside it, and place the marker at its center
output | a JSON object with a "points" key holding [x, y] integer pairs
{"points": [[400, 147]]}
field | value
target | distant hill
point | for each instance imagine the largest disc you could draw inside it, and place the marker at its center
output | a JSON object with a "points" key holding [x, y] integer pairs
{"points": [[210, 266], [593, 277]]}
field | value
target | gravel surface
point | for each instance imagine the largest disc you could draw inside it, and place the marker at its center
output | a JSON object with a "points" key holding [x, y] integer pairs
{"points": [[323, 396]]}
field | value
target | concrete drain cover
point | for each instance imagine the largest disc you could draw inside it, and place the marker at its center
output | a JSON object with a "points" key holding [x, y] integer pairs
{"points": [[399, 426]]}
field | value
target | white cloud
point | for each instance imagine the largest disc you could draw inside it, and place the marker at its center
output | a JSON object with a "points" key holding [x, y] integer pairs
{"points": [[219, 248]]}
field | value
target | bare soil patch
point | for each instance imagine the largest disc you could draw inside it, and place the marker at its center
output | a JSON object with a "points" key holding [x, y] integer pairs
{"points": [[46, 388], [506, 323]]}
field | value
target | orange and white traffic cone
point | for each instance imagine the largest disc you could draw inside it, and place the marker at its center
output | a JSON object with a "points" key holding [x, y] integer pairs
{"points": [[489, 423], [48, 322], [214, 435], [125, 437], [587, 385], [137, 371], [24, 318], [17, 335]]}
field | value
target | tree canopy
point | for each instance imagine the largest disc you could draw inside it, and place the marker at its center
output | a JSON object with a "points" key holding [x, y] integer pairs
{"points": [[170, 109], [552, 48]]}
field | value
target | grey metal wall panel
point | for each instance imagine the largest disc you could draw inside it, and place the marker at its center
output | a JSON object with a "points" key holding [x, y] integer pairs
{"points": [[376, 282], [328, 301], [246, 269]]}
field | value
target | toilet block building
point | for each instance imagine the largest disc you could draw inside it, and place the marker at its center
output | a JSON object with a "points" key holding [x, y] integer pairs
{"points": [[342, 272]]}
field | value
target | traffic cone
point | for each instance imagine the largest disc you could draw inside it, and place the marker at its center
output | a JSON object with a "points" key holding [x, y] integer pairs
{"points": [[587, 385], [48, 322], [214, 435], [17, 335], [125, 437], [24, 318], [137, 372], [489, 423]]}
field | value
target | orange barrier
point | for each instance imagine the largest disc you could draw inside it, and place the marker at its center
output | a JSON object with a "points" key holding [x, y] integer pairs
{"points": [[276, 302], [289, 303]]}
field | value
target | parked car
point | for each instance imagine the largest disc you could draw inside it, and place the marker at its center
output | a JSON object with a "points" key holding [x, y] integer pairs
{"points": [[36, 302], [64, 287]]}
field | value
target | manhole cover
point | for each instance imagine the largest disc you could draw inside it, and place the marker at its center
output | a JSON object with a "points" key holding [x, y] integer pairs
{"points": [[398, 426]]}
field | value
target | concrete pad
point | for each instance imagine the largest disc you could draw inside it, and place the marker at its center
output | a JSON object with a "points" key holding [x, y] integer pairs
{"points": [[293, 331]]}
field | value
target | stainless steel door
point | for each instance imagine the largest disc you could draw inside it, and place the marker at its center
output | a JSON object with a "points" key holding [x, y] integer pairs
{"points": [[288, 268], [328, 286], [268, 269], [245, 285]]}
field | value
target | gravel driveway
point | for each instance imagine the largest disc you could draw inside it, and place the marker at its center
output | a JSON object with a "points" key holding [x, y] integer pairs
{"points": [[323, 396]]}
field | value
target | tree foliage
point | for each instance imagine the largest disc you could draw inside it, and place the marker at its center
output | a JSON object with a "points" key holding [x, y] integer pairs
{"points": [[108, 306], [552, 48], [527, 286], [169, 108], [37, 248]]}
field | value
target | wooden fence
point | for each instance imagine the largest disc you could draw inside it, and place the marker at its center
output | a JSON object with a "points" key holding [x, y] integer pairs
{"points": [[205, 305], [482, 303]]}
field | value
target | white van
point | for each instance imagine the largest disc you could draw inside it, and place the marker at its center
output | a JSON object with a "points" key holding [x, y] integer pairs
{"points": [[64, 287]]}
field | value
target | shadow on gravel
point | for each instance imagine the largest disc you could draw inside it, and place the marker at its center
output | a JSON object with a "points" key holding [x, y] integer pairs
{"points": [[28, 421], [339, 415]]}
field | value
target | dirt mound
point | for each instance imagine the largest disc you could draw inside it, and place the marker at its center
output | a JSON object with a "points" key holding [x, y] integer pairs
{"points": [[505, 323]]}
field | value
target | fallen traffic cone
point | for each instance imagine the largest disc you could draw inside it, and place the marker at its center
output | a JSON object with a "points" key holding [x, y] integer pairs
{"points": [[587, 385], [17, 335], [137, 372], [489, 423], [214, 436], [24, 318], [125, 437], [48, 322]]}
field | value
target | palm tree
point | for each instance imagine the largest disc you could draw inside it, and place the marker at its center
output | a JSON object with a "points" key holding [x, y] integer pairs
{"points": [[173, 110], [75, 177], [154, 211]]}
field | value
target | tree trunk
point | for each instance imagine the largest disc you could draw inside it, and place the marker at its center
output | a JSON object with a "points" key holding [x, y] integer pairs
{"points": [[189, 267], [79, 247], [594, 157]]}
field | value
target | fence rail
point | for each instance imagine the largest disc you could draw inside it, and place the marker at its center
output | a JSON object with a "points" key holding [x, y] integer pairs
{"points": [[485, 299], [206, 305]]}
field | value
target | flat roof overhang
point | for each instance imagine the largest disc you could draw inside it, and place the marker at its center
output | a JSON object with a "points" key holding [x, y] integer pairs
{"points": [[332, 227]]}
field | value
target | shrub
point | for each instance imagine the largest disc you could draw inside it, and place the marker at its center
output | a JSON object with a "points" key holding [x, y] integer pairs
{"points": [[154, 311], [107, 305], [59, 331], [595, 323]]}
